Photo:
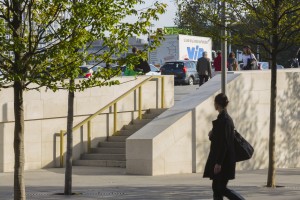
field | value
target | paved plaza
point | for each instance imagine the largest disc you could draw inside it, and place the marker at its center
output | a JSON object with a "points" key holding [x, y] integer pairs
{"points": [[113, 183]]}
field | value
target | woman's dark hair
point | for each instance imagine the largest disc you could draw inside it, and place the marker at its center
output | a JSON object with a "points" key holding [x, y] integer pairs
{"points": [[231, 55], [222, 100]]}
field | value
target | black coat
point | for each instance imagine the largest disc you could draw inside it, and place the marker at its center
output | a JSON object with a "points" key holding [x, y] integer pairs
{"points": [[221, 148]]}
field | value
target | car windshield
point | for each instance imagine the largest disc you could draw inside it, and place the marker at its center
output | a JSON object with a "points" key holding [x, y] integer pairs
{"points": [[173, 65], [96, 68], [84, 69], [153, 68]]}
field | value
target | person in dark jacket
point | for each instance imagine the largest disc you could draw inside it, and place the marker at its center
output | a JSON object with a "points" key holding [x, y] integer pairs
{"points": [[142, 65], [218, 61], [204, 68], [220, 165]]}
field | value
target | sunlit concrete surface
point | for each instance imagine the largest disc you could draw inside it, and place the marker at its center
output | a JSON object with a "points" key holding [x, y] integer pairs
{"points": [[113, 183]]}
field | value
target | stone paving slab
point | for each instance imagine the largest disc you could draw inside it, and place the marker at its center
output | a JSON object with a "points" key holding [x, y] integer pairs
{"points": [[113, 184]]}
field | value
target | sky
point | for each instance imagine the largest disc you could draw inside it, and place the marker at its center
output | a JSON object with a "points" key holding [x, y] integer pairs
{"points": [[167, 19]]}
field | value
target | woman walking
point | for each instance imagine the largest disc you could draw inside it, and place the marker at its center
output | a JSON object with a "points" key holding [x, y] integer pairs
{"points": [[249, 60], [220, 165], [232, 62]]}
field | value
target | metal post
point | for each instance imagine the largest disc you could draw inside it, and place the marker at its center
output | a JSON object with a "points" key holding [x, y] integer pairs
{"points": [[115, 117], [162, 92], [224, 48], [229, 45], [257, 53], [61, 148], [89, 136], [140, 102]]}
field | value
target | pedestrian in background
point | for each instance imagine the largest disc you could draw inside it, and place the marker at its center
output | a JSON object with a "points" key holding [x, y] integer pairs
{"points": [[232, 62], [204, 68], [220, 165], [217, 61], [249, 60], [140, 65]]}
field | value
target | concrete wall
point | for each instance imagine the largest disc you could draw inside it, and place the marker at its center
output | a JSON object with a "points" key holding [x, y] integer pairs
{"points": [[45, 116], [177, 141]]}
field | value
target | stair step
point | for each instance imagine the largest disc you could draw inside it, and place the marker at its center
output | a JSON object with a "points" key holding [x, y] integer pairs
{"points": [[118, 138], [124, 133], [109, 150], [150, 116], [96, 156], [141, 121], [100, 163], [156, 111], [112, 144], [133, 127]]}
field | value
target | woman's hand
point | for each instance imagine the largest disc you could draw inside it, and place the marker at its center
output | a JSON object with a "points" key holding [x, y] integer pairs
{"points": [[217, 169], [209, 134]]}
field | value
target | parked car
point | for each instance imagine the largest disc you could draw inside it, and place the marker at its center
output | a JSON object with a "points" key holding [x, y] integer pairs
{"points": [[86, 71], [184, 71], [154, 70], [96, 68], [280, 66], [265, 66]]}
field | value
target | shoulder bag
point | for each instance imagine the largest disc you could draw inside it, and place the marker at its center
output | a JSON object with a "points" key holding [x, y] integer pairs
{"points": [[243, 150]]}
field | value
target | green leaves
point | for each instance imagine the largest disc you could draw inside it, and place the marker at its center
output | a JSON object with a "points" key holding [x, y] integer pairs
{"points": [[54, 37], [249, 21]]}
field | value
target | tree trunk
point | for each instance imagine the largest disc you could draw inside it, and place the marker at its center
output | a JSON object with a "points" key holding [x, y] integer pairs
{"points": [[273, 99], [19, 186], [69, 156], [272, 138]]}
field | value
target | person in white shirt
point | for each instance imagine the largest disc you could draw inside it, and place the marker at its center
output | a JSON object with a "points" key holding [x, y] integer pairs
{"points": [[249, 60]]}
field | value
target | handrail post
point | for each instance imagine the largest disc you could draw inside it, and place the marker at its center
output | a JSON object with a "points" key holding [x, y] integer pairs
{"points": [[61, 148], [162, 92], [115, 117], [89, 136], [140, 103]]}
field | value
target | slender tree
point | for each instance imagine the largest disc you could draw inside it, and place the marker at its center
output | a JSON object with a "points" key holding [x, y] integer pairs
{"points": [[43, 42]]}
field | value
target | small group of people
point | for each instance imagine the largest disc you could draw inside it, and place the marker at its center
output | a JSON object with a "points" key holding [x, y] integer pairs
{"points": [[204, 64], [249, 61], [232, 64]]}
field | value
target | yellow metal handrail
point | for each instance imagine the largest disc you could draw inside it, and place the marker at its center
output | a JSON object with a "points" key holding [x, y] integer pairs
{"points": [[114, 104]]}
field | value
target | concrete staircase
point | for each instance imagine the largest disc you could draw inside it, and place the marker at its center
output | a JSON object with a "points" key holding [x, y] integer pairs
{"points": [[112, 153]]}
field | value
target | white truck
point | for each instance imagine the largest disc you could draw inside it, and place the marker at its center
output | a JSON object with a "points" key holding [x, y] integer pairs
{"points": [[180, 47]]}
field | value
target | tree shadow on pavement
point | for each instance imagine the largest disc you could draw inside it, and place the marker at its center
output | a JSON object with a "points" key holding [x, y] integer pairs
{"points": [[158, 192]]}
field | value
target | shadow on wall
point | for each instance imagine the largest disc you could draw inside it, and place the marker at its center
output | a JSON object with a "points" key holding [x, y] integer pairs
{"points": [[289, 123], [243, 108]]}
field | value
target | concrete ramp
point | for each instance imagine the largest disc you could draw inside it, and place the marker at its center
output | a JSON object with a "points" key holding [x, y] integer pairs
{"points": [[164, 146], [176, 141]]}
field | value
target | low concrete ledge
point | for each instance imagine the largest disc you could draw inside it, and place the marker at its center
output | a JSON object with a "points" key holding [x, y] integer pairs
{"points": [[46, 111]]}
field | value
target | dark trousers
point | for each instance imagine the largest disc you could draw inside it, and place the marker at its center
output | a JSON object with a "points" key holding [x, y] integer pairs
{"points": [[219, 186], [203, 79]]}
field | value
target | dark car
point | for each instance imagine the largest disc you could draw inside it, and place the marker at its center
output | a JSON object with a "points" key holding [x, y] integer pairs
{"points": [[86, 71], [184, 71]]}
